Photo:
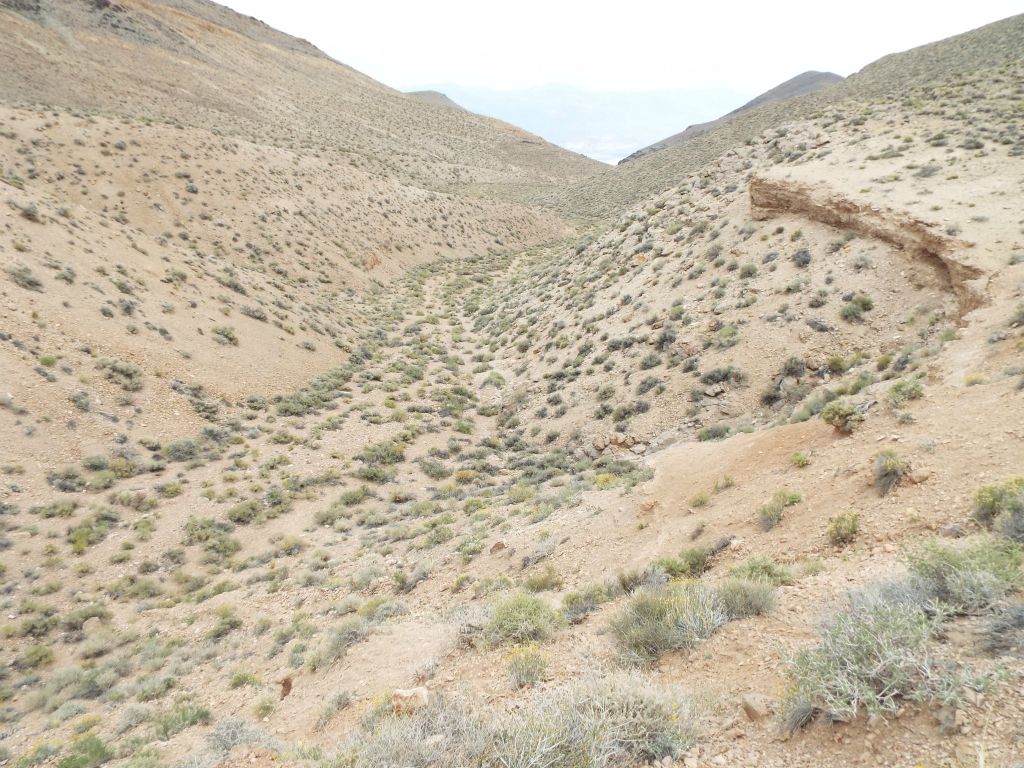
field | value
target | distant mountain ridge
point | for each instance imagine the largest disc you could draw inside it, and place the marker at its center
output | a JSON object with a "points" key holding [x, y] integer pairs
{"points": [[435, 98], [805, 82]]}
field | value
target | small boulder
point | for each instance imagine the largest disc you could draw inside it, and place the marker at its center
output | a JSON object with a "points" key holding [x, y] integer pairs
{"points": [[405, 701], [952, 531], [755, 706], [918, 476]]}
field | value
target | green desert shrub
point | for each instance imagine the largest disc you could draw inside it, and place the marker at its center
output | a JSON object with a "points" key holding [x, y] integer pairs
{"points": [[63, 508], [345, 634], [657, 620], [66, 479], [871, 656], [386, 452], [127, 376], [1000, 507], [577, 605], [904, 390], [225, 334], [33, 657], [230, 732], [1004, 633], [185, 449], [842, 529], [763, 568], [968, 579], [544, 580], [182, 715], [434, 469], [522, 619], [692, 561], [92, 530], [23, 277], [841, 415], [376, 474], [741, 598], [526, 666], [214, 535], [245, 512], [714, 432], [597, 722], [617, 720], [889, 470], [88, 751], [854, 309], [771, 514]]}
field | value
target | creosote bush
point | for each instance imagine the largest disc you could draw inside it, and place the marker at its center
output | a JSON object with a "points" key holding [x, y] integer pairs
{"points": [[842, 529], [841, 415]]}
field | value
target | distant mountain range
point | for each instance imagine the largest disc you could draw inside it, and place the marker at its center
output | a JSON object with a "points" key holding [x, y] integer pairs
{"points": [[605, 125], [434, 98], [806, 82]]}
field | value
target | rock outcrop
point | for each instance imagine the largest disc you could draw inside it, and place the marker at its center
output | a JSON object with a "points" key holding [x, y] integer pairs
{"points": [[769, 197]]}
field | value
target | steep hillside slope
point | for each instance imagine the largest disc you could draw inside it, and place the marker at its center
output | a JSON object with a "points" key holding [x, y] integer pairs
{"points": [[198, 194], [196, 64], [436, 98], [805, 82]]}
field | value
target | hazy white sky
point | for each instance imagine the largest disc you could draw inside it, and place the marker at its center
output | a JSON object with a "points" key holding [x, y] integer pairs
{"points": [[744, 46], [668, 63]]}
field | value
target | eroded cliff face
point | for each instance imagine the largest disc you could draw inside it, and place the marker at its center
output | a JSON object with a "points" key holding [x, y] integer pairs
{"points": [[818, 202]]}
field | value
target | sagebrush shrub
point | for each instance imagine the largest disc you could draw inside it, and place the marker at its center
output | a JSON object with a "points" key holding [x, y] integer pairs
{"points": [[596, 722], [971, 578], [870, 657]]}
